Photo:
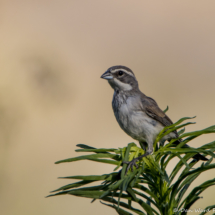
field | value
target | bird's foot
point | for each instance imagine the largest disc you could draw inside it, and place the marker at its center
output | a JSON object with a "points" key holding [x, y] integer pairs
{"points": [[131, 164]]}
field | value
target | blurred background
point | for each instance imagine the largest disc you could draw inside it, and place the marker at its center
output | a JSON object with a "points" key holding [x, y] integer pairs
{"points": [[52, 54]]}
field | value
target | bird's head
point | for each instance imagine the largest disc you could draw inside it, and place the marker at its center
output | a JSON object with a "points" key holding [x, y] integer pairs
{"points": [[121, 78]]}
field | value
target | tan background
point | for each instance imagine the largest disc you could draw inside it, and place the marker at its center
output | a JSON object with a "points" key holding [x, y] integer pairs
{"points": [[52, 54]]}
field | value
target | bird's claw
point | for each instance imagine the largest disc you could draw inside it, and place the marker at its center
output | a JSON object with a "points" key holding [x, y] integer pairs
{"points": [[131, 164]]}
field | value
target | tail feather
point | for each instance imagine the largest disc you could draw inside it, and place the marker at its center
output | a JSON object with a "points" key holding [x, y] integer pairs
{"points": [[200, 157], [197, 156]]}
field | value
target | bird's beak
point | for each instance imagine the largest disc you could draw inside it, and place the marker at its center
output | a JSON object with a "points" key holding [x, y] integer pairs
{"points": [[107, 75]]}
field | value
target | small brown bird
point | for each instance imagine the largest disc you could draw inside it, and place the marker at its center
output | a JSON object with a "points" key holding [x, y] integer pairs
{"points": [[137, 114]]}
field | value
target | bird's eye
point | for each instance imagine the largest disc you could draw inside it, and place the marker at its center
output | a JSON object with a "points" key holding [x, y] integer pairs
{"points": [[121, 73]]}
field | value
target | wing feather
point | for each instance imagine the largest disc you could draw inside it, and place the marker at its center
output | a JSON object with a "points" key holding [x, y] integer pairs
{"points": [[153, 110]]}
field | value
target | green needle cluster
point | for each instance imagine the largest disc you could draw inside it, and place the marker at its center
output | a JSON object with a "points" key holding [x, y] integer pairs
{"points": [[150, 186]]}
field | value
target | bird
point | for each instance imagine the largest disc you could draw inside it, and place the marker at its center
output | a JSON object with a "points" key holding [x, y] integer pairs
{"points": [[137, 114]]}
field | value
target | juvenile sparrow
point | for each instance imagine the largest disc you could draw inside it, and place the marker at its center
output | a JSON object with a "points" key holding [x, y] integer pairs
{"points": [[137, 114]]}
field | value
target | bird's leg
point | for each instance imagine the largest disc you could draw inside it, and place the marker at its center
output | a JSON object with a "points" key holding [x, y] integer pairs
{"points": [[143, 145], [133, 162]]}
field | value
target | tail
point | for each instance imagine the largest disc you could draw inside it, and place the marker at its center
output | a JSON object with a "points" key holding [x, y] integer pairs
{"points": [[197, 157]]}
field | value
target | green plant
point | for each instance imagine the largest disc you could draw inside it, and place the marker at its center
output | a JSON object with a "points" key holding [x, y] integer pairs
{"points": [[149, 186]]}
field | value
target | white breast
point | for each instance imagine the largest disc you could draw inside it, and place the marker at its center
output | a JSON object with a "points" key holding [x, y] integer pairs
{"points": [[137, 123]]}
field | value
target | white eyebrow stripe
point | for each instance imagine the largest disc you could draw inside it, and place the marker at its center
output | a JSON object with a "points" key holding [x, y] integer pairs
{"points": [[125, 71]]}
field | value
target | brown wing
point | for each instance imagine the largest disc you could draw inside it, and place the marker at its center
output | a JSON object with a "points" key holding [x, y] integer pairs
{"points": [[152, 110]]}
